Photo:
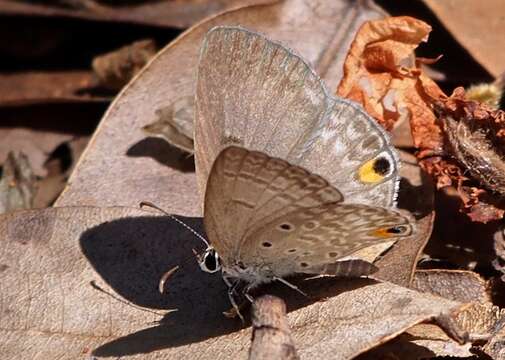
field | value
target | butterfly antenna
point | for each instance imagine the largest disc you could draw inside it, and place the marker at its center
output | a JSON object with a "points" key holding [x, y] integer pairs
{"points": [[151, 205]]}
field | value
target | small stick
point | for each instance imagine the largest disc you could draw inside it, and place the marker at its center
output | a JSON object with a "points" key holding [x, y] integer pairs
{"points": [[271, 337], [164, 278]]}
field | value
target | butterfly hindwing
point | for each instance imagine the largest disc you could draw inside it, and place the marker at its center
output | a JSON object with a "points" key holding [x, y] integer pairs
{"points": [[255, 93]]}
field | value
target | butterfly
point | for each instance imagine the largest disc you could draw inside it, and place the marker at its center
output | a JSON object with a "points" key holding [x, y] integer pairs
{"points": [[293, 178]]}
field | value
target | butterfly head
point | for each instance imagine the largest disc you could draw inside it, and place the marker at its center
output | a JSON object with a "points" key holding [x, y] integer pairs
{"points": [[209, 261]]}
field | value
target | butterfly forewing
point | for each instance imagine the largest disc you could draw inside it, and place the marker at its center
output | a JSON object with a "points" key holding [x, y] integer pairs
{"points": [[248, 188], [255, 93]]}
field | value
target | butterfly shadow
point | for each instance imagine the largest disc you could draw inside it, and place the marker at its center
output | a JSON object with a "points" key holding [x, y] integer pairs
{"points": [[164, 153], [132, 254]]}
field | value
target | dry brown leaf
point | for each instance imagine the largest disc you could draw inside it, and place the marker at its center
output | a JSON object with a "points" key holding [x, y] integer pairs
{"points": [[116, 68], [84, 280], [398, 265], [17, 183], [457, 285], [117, 161], [27, 88], [166, 13], [478, 27]]}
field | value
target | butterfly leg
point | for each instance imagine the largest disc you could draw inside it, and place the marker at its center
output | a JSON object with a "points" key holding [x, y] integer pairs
{"points": [[287, 283], [232, 286]]}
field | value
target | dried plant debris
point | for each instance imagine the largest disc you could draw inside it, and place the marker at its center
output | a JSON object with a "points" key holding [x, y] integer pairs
{"points": [[499, 247], [116, 68], [487, 93], [473, 155], [175, 124], [35, 87], [17, 183], [165, 13]]}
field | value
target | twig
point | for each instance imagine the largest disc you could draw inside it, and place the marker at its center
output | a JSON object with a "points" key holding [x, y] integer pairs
{"points": [[271, 337]]}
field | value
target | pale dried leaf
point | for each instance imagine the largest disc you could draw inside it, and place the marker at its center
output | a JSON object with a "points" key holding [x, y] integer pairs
{"points": [[54, 262], [175, 124], [17, 183], [166, 13], [119, 149], [35, 144]]}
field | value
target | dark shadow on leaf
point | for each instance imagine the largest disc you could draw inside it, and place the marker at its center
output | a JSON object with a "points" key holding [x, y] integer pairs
{"points": [[163, 153], [132, 254]]}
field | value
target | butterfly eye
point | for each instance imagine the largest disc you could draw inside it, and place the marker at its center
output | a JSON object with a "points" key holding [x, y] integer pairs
{"points": [[210, 261], [375, 170]]}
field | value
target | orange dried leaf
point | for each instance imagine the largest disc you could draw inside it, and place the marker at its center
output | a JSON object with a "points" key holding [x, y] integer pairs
{"points": [[381, 73]]}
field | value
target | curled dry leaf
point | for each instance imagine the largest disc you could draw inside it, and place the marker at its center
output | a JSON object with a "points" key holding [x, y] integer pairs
{"points": [[116, 68], [381, 73], [17, 183], [119, 147], [399, 263], [123, 252], [175, 123], [480, 319], [457, 285]]}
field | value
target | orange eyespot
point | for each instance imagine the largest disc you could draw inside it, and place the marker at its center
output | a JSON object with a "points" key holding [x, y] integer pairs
{"points": [[389, 232]]}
